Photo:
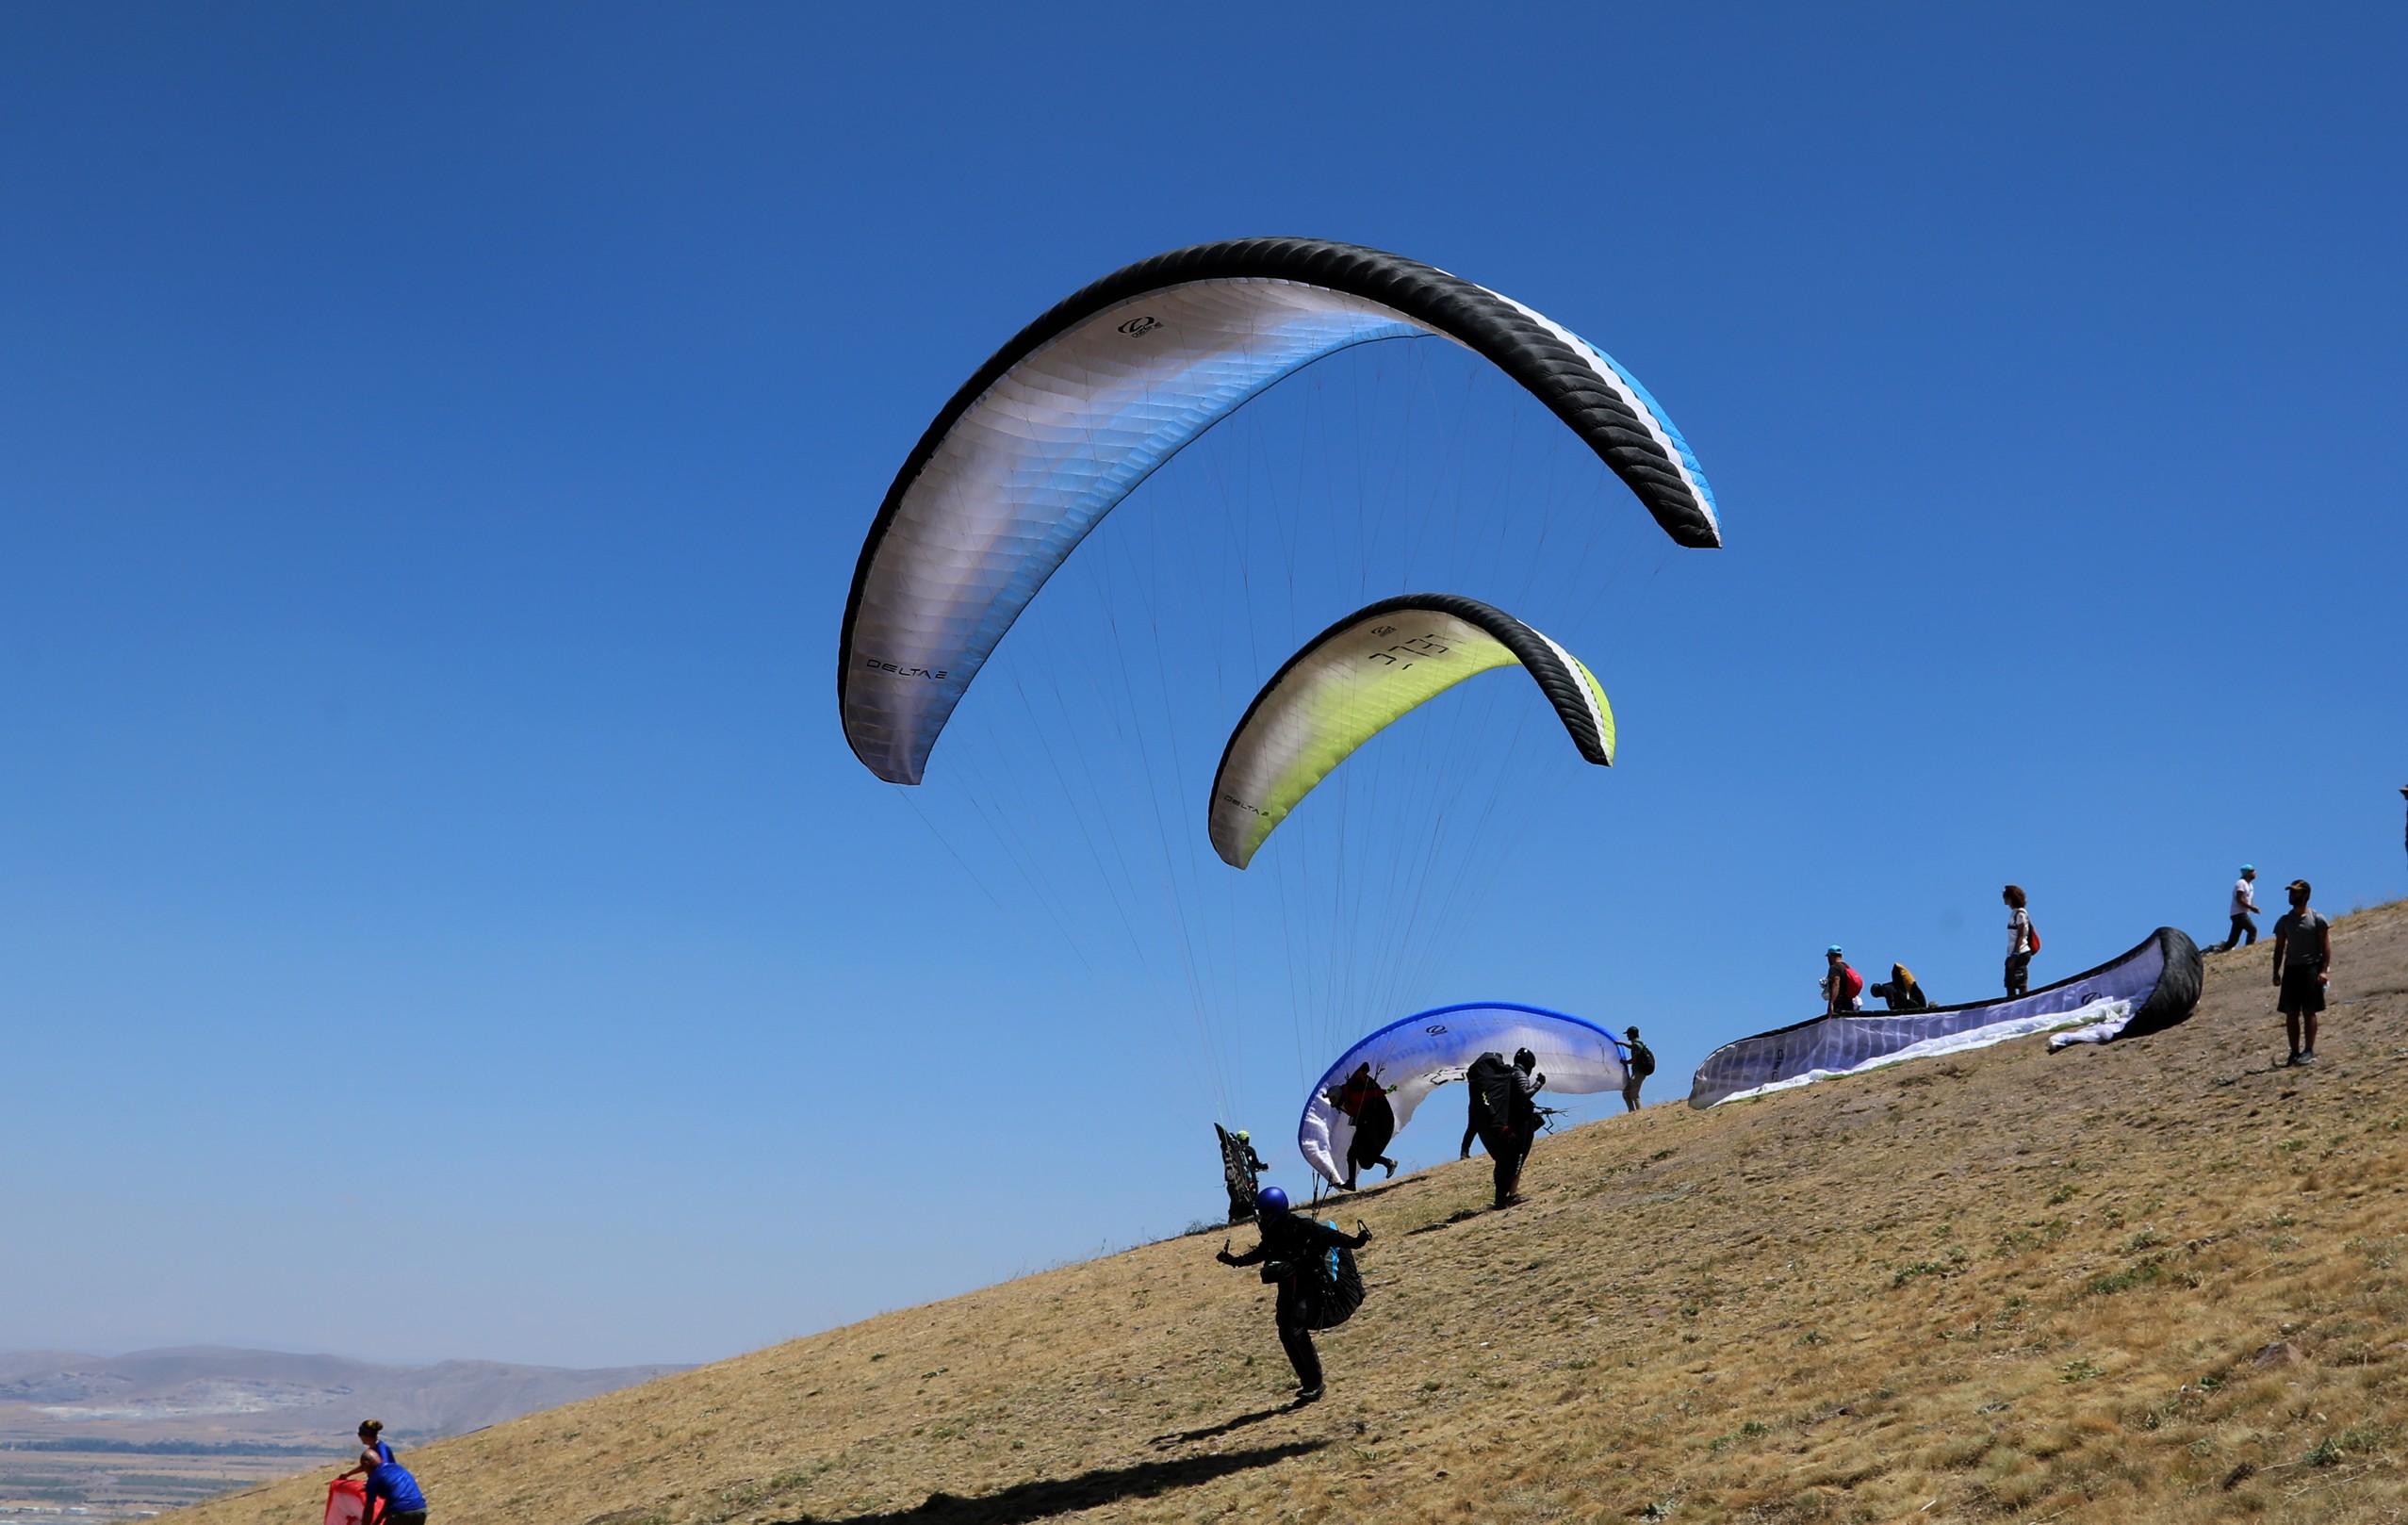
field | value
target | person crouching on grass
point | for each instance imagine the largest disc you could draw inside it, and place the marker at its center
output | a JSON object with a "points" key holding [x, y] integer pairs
{"points": [[2303, 969]]}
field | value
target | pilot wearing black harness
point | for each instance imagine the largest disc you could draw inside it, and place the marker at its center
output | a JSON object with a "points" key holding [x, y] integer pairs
{"points": [[1503, 1116], [1313, 1265]]}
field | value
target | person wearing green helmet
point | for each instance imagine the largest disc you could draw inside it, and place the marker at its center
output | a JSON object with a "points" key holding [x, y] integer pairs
{"points": [[1240, 1170]]}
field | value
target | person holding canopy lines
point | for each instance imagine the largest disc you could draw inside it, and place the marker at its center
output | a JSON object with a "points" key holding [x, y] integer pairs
{"points": [[1365, 1101], [1240, 1169], [1641, 1064], [1312, 1264]]}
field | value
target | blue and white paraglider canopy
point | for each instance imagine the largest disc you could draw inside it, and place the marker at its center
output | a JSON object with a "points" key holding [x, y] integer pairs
{"points": [[1416, 1055]]}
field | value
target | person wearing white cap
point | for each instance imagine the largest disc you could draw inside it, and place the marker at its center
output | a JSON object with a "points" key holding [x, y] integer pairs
{"points": [[2244, 908]]}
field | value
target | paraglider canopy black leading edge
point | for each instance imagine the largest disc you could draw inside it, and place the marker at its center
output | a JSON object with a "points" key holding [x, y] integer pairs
{"points": [[961, 542]]}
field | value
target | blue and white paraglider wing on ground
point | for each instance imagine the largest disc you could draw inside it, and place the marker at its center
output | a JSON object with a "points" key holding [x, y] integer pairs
{"points": [[2151, 988]]}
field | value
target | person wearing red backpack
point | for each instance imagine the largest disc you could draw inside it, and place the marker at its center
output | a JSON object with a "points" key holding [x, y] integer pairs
{"points": [[1842, 985], [2022, 942]]}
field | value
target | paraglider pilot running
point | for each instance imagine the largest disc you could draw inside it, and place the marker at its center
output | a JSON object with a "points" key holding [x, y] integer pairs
{"points": [[1313, 1266]]}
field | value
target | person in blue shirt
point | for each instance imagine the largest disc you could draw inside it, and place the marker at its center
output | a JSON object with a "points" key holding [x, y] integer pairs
{"points": [[389, 1482], [373, 1453]]}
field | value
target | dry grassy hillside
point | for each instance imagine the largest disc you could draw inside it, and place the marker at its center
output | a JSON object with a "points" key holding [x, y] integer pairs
{"points": [[2163, 1281]]}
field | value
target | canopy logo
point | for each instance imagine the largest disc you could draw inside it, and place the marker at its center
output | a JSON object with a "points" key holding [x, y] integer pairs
{"points": [[875, 666], [1140, 325]]}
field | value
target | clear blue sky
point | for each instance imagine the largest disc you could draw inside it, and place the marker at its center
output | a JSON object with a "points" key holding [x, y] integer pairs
{"points": [[438, 913]]}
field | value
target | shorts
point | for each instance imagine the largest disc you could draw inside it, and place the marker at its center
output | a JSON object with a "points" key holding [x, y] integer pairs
{"points": [[2302, 992]]}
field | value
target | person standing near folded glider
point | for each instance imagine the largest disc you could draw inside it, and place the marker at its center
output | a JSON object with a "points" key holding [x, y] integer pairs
{"points": [[1842, 985], [1641, 1064], [2021, 943]]}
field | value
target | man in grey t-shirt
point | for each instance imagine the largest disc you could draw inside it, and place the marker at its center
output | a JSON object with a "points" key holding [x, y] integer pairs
{"points": [[2302, 967]]}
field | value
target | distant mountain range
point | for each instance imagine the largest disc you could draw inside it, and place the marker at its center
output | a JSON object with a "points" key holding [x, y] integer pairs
{"points": [[212, 1393], [119, 1437]]}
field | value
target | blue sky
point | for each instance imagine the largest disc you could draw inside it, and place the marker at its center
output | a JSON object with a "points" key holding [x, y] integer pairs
{"points": [[438, 913]]}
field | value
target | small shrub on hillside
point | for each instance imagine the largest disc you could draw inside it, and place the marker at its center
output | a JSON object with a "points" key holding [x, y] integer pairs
{"points": [[1745, 1431], [2125, 1280], [2079, 1370], [2032, 1236]]}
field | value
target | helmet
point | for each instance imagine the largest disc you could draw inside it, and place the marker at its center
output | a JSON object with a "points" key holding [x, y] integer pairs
{"points": [[1524, 1057], [1270, 1202], [1833, 951], [1243, 1136]]}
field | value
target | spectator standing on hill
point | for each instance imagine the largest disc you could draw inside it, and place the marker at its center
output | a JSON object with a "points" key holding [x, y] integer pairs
{"points": [[1317, 1287], [2244, 909], [2302, 968], [1842, 985], [2022, 942], [1901, 991], [1643, 1064]]}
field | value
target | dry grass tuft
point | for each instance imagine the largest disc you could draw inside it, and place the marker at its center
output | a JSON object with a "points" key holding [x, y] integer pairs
{"points": [[2155, 1282]]}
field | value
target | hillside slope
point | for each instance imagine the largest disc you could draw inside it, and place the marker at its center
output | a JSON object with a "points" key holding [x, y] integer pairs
{"points": [[2159, 1281]]}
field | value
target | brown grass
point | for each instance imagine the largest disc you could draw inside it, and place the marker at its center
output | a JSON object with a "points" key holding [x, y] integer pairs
{"points": [[2008, 1286]]}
